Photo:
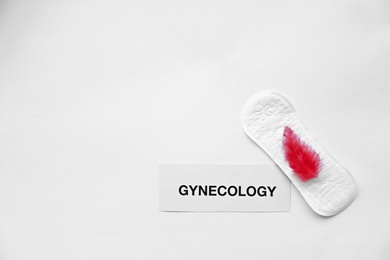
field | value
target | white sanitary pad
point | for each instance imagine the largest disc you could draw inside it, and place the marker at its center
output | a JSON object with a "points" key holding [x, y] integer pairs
{"points": [[264, 119]]}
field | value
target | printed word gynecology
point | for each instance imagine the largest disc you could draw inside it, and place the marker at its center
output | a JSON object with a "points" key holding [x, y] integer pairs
{"points": [[222, 190]]}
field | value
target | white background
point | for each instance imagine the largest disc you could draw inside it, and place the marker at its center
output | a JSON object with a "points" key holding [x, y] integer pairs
{"points": [[94, 94]]}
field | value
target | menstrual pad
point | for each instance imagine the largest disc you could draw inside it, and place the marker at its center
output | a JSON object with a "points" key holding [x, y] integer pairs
{"points": [[269, 119]]}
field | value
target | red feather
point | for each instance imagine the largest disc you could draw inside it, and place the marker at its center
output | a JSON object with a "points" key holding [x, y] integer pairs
{"points": [[303, 160]]}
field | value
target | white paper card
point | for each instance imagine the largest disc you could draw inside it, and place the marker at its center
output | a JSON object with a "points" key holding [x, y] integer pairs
{"points": [[223, 187]]}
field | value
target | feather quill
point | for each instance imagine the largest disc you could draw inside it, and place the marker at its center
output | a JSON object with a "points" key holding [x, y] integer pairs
{"points": [[302, 159]]}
